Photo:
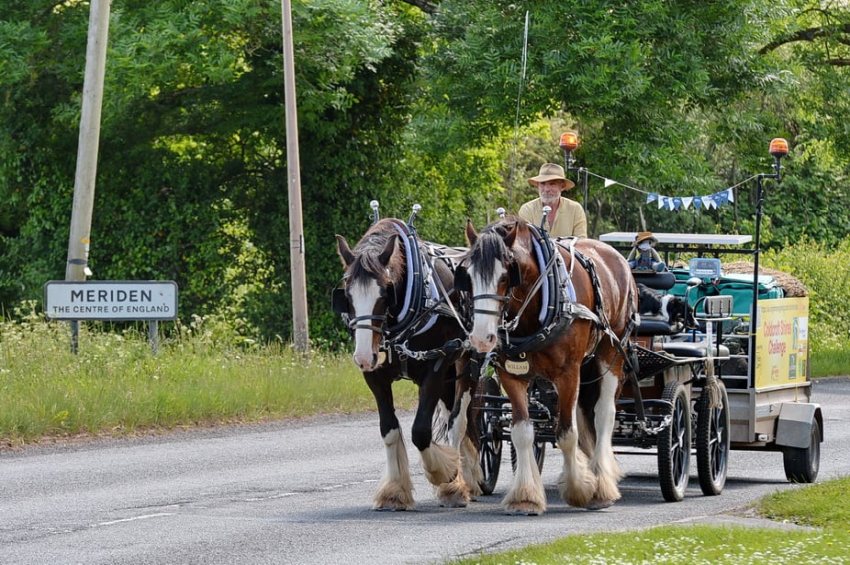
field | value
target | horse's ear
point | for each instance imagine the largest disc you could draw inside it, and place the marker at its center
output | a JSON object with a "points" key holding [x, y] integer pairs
{"points": [[344, 251], [510, 237], [471, 234], [389, 249]]}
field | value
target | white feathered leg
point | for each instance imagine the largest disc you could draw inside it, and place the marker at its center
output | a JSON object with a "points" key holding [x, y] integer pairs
{"points": [[526, 495], [395, 491]]}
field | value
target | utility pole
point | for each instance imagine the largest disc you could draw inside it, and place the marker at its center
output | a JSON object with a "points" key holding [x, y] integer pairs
{"points": [[300, 330], [84, 179]]}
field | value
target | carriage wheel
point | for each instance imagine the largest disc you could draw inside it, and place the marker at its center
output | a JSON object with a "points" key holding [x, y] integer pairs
{"points": [[539, 450], [802, 465], [674, 444], [712, 439], [489, 435]]}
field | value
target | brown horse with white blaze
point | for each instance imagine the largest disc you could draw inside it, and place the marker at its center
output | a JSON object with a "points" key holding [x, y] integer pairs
{"points": [[398, 333], [503, 275]]}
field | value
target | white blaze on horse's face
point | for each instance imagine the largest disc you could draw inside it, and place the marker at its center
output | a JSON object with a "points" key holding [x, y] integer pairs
{"points": [[485, 325], [364, 296]]}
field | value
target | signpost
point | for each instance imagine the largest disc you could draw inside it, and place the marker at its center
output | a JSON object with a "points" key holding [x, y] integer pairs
{"points": [[149, 301]]}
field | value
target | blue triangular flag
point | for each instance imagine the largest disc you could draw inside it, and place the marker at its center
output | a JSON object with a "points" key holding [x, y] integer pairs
{"points": [[697, 202], [677, 202], [651, 197]]}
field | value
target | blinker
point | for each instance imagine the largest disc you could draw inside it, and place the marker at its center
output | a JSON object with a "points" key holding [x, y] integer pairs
{"points": [[339, 301], [391, 297], [514, 275], [462, 280]]}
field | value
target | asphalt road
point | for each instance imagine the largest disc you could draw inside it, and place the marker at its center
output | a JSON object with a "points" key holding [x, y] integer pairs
{"points": [[301, 492]]}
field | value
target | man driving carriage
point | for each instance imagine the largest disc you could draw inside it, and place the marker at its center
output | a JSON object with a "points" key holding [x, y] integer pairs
{"points": [[567, 217]]}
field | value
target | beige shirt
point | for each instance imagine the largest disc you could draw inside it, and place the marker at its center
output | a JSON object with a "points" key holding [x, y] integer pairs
{"points": [[570, 219]]}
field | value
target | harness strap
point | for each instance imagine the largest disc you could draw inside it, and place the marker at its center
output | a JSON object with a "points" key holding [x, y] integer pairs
{"points": [[354, 325], [442, 290], [544, 275]]}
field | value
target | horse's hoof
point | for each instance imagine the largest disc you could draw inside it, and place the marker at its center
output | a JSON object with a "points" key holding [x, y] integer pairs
{"points": [[453, 498], [597, 504], [393, 505], [523, 509], [453, 504]]}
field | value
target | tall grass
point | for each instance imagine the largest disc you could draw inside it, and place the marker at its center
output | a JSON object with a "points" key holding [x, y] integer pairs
{"points": [[114, 385]]}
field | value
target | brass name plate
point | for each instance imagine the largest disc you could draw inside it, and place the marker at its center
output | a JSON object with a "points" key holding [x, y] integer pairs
{"points": [[517, 367]]}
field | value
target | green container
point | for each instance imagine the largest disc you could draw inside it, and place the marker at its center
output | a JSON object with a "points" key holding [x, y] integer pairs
{"points": [[739, 287]]}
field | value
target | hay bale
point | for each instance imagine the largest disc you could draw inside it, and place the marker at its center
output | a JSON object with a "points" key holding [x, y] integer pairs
{"points": [[789, 283]]}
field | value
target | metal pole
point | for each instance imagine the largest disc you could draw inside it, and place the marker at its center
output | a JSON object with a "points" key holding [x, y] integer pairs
{"points": [[756, 253], [298, 277], [84, 179], [153, 336]]}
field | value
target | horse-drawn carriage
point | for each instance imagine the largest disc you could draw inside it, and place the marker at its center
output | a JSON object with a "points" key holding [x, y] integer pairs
{"points": [[703, 383], [557, 321]]}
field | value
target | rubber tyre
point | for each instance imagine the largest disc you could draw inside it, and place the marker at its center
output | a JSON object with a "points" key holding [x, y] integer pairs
{"points": [[674, 444], [489, 437], [802, 465], [712, 442]]}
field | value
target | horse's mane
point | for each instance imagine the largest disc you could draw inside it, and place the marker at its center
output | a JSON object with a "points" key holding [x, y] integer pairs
{"points": [[491, 247], [366, 263]]}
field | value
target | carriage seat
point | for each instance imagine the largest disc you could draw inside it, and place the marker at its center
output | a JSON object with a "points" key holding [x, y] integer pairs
{"points": [[691, 349], [656, 281], [650, 325]]}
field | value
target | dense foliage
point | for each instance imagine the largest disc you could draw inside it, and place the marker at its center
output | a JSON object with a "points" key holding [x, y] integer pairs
{"points": [[405, 102]]}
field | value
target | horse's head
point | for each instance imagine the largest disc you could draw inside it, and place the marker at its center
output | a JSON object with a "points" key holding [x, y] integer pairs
{"points": [[372, 272], [492, 269]]}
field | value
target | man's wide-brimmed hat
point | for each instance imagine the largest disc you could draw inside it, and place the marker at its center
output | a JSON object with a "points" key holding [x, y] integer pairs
{"points": [[551, 171], [644, 236]]}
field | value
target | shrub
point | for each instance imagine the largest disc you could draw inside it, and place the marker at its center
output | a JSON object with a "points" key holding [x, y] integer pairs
{"points": [[826, 272]]}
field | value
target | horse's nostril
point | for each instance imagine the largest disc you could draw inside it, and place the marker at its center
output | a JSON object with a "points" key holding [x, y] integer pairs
{"points": [[491, 338]]}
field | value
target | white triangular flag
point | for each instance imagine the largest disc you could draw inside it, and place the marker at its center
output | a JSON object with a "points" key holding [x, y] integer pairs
{"points": [[662, 202], [609, 182], [731, 195], [686, 202], [707, 202]]}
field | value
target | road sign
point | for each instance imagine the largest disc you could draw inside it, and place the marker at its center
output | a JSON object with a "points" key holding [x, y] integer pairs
{"points": [[110, 300]]}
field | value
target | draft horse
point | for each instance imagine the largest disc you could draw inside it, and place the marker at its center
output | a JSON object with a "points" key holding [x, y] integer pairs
{"points": [[396, 299], [574, 338]]}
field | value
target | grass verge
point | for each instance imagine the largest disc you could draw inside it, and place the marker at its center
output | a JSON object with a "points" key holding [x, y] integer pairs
{"points": [[820, 505], [116, 386], [831, 362], [823, 505]]}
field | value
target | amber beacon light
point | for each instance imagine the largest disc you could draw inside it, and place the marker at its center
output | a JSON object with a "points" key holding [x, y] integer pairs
{"points": [[778, 147], [569, 141]]}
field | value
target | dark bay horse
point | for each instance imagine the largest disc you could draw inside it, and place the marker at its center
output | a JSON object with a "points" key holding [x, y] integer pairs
{"points": [[397, 300], [503, 274]]}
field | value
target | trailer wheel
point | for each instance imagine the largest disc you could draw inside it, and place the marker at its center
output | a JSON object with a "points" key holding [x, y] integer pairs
{"points": [[489, 435], [802, 464], [674, 444], [712, 442]]}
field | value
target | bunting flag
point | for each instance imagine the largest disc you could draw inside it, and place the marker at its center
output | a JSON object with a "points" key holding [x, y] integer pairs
{"points": [[709, 202], [674, 203]]}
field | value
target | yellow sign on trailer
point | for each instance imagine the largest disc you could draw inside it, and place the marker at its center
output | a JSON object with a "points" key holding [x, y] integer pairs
{"points": [[782, 339]]}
